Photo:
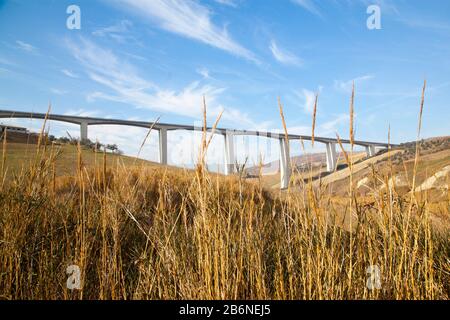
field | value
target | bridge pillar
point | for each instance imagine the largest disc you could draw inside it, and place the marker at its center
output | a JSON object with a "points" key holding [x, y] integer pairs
{"points": [[331, 156], [163, 146], [370, 151], [83, 131], [285, 164], [230, 160]]}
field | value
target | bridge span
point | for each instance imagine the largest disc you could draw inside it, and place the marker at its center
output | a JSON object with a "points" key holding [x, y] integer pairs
{"points": [[228, 134]]}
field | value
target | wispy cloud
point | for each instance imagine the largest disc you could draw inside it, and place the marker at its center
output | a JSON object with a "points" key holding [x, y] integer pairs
{"points": [[313, 6], [58, 91], [189, 19], [127, 86], [309, 5], [119, 32], [104, 64], [69, 73], [25, 46], [204, 73], [284, 56], [83, 113], [346, 86], [121, 27], [231, 3], [387, 6], [308, 98], [425, 23], [331, 127], [7, 62]]}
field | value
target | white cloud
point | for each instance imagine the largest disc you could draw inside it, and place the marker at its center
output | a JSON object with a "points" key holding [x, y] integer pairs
{"points": [[119, 32], [346, 86], [231, 3], [313, 6], [7, 62], [331, 127], [284, 56], [189, 19], [69, 73], [103, 65], [300, 130], [127, 86], [58, 91], [387, 6], [83, 113], [25, 46], [121, 27], [308, 97], [204, 73], [308, 5], [420, 22]]}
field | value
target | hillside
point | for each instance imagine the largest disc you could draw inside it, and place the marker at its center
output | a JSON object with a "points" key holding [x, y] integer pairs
{"points": [[121, 224], [305, 167], [144, 233], [20, 155], [20, 137], [432, 170], [316, 161]]}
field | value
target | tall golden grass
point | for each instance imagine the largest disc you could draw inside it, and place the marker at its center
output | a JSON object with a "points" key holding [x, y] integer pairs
{"points": [[155, 233]]}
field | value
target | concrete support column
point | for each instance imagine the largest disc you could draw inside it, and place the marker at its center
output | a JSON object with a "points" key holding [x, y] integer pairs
{"points": [[373, 151], [230, 160], [331, 156], [370, 151], [285, 164], [163, 146], [83, 131]]}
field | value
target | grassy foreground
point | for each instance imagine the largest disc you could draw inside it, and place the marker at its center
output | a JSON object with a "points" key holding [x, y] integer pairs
{"points": [[156, 233]]}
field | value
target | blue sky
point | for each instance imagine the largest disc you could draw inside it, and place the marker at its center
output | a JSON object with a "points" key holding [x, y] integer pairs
{"points": [[140, 59]]}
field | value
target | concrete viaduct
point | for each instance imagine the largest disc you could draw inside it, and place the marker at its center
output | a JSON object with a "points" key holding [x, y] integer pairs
{"points": [[228, 134]]}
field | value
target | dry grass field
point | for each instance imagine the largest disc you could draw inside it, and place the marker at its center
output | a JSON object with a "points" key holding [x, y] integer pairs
{"points": [[146, 233], [139, 231], [20, 156]]}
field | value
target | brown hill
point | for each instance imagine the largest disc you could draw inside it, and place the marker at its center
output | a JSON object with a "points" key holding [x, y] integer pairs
{"points": [[397, 169], [22, 137]]}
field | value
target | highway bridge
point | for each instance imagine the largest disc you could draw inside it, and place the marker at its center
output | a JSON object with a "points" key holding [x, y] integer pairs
{"points": [[228, 134]]}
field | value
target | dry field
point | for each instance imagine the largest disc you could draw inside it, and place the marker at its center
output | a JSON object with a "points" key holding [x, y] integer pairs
{"points": [[146, 232], [156, 233]]}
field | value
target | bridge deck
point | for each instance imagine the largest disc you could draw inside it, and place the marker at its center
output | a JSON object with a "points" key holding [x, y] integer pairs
{"points": [[158, 126]]}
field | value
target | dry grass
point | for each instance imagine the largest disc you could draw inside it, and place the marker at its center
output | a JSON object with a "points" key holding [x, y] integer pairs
{"points": [[146, 233], [159, 234], [20, 156], [313, 127]]}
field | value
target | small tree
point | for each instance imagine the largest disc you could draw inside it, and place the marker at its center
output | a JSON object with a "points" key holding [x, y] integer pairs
{"points": [[63, 140], [97, 146], [112, 147]]}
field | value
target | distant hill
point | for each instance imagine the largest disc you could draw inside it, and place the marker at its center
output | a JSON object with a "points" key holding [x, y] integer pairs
{"points": [[19, 155], [314, 160], [427, 146], [22, 137], [432, 174]]}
